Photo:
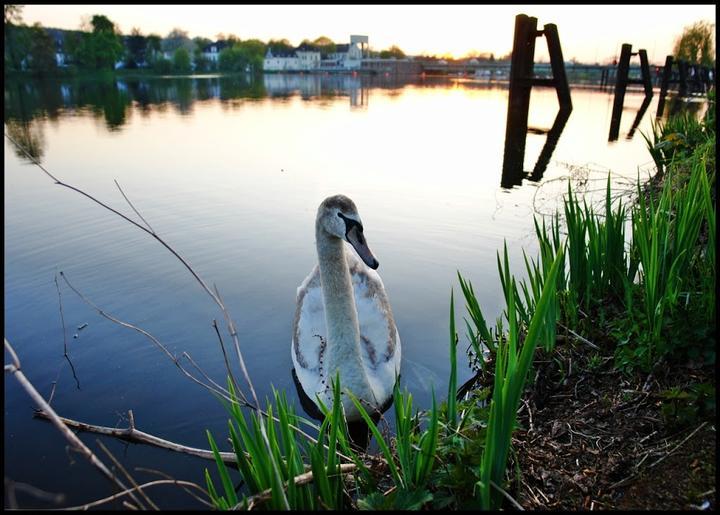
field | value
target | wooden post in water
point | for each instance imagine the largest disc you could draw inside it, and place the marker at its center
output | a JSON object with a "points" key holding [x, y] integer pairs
{"points": [[521, 83], [558, 66], [621, 80], [621, 83], [667, 74], [521, 70], [645, 69]]}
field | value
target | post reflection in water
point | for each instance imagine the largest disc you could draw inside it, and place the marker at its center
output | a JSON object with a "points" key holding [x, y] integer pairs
{"points": [[638, 117], [615, 121], [514, 157]]}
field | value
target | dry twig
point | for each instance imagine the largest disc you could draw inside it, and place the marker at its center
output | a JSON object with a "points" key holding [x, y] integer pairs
{"points": [[133, 434], [75, 442]]}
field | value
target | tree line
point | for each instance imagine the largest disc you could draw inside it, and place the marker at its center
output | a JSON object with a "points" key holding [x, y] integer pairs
{"points": [[100, 45]]}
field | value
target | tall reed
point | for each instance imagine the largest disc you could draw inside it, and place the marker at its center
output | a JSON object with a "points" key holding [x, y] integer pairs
{"points": [[512, 362], [664, 240]]}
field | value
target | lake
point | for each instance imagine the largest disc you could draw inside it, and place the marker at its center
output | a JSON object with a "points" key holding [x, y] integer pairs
{"points": [[230, 172]]}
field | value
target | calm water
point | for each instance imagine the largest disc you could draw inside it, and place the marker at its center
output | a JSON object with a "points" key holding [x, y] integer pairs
{"points": [[230, 172]]}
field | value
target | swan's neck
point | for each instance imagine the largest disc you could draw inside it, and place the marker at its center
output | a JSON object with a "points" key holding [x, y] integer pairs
{"points": [[342, 352]]}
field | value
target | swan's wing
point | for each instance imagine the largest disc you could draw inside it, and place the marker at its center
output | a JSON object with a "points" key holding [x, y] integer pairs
{"points": [[380, 341], [309, 335]]}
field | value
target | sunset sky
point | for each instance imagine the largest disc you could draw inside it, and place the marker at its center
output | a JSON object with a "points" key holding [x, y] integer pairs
{"points": [[587, 33]]}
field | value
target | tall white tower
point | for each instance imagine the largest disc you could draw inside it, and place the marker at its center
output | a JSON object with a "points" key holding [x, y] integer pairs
{"points": [[364, 45]]}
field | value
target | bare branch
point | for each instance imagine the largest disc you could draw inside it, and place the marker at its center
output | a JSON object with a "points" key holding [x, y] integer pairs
{"points": [[67, 357], [133, 434], [62, 316], [144, 333], [133, 207], [129, 477], [218, 388], [302, 479], [236, 341], [227, 363], [128, 491], [191, 494], [507, 496], [11, 486], [154, 235], [215, 296], [55, 419]]}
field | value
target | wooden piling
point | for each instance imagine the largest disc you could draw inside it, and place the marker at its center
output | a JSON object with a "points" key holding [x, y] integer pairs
{"points": [[645, 70], [558, 66], [521, 71], [521, 83], [621, 81], [667, 74]]}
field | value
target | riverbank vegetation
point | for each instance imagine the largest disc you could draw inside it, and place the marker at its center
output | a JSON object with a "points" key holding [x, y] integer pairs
{"points": [[607, 347]]}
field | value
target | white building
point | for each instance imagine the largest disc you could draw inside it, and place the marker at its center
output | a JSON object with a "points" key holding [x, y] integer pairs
{"points": [[303, 58], [347, 56], [212, 51]]}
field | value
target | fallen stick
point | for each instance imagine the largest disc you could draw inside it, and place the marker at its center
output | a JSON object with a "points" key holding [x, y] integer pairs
{"points": [[132, 434]]}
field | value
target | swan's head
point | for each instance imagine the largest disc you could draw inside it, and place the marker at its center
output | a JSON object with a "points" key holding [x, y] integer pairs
{"points": [[338, 217]]}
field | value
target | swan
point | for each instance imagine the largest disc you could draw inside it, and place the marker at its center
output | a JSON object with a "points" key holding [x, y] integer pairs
{"points": [[343, 320]]}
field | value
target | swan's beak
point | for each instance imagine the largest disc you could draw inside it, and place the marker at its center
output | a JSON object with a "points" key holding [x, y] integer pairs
{"points": [[356, 238]]}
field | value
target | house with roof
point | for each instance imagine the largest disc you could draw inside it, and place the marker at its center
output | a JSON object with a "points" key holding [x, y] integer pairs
{"points": [[346, 56], [212, 51], [303, 58]]}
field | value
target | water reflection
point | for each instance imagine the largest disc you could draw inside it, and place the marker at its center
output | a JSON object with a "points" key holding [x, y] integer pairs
{"points": [[29, 135], [617, 115], [514, 156], [110, 99], [638, 117]]}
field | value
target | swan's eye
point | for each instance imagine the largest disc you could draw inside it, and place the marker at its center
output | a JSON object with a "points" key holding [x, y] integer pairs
{"points": [[340, 214]]}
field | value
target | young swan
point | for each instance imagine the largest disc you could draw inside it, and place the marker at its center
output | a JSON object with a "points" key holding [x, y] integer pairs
{"points": [[343, 321]]}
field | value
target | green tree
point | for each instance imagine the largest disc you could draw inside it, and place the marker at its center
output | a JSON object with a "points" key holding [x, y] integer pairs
{"points": [[102, 47], [232, 59], [181, 61], [42, 50], [135, 48], [13, 14], [17, 38], [162, 65], [393, 51], [325, 45], [153, 48], [177, 38], [202, 64], [243, 56], [72, 46], [280, 45], [696, 44]]}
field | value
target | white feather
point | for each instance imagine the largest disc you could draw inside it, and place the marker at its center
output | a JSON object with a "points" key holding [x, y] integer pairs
{"points": [[380, 341]]}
